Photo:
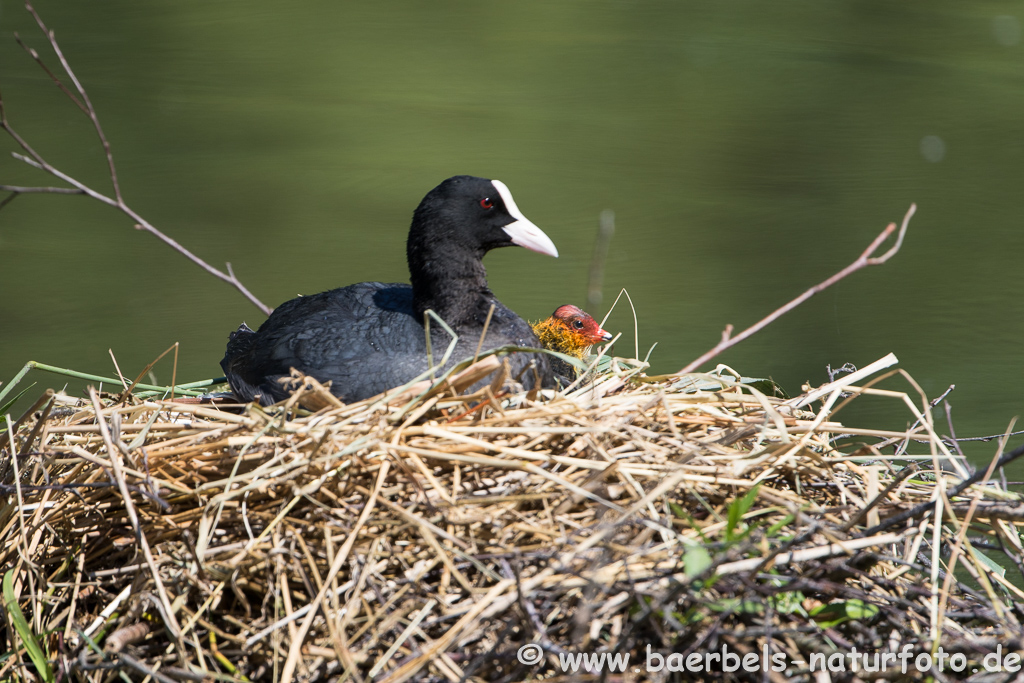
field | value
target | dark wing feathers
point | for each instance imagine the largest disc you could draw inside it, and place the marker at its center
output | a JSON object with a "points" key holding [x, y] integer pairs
{"points": [[364, 338]]}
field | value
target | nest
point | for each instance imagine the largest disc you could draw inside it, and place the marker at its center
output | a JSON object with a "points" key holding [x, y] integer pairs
{"points": [[492, 537]]}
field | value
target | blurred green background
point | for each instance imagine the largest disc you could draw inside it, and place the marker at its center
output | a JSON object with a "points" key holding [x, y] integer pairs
{"points": [[749, 150]]}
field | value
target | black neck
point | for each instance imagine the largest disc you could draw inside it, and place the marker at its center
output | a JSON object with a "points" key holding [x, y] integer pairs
{"points": [[450, 280]]}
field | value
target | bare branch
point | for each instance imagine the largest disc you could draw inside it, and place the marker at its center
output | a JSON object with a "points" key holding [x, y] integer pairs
{"points": [[16, 189], [956, 439], [35, 55], [34, 159], [864, 260], [90, 111]]}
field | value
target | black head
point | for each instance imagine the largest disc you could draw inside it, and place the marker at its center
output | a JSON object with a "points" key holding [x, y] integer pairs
{"points": [[467, 214]]}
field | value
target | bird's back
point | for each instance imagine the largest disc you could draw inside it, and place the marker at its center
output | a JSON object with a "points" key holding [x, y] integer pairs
{"points": [[364, 339]]}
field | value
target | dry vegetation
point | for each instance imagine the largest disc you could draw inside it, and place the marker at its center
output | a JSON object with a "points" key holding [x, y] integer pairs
{"points": [[431, 538]]}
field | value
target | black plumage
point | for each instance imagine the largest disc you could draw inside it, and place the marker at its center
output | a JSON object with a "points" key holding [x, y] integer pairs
{"points": [[369, 337]]}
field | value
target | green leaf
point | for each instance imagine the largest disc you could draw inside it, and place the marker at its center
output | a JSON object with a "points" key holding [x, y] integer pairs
{"points": [[577, 363], [89, 641], [7, 406], [690, 383], [767, 387], [774, 528], [790, 602], [837, 612], [4, 388], [991, 564], [696, 559], [17, 617], [737, 606], [680, 512], [737, 509]]}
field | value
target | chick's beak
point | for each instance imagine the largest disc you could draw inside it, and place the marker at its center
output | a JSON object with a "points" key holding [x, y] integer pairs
{"points": [[605, 336]]}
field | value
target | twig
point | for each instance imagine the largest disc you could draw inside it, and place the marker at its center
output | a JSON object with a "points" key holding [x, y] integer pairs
{"points": [[42, 65], [817, 552], [293, 617], [487, 323], [35, 160], [917, 423], [912, 468], [386, 657], [90, 111], [143, 669], [339, 560], [17, 189], [956, 490], [636, 327], [846, 367], [955, 553], [990, 437], [864, 260], [129, 507]]}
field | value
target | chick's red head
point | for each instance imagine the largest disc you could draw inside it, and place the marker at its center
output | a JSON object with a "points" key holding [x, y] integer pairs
{"points": [[580, 323]]}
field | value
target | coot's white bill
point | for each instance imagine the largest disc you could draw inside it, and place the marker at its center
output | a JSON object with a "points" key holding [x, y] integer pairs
{"points": [[522, 231]]}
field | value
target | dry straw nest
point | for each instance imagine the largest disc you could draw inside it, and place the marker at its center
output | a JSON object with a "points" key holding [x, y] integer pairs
{"points": [[430, 537]]}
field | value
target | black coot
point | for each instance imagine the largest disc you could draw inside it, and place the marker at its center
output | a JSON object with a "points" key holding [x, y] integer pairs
{"points": [[369, 337]]}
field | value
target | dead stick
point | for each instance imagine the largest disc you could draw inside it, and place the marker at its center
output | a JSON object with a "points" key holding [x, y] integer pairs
{"points": [[955, 491], [862, 261], [295, 650], [35, 160], [129, 507], [896, 481], [89, 109]]}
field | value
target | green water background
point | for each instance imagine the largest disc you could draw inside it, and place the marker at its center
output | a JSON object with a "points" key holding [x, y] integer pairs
{"points": [[749, 150]]}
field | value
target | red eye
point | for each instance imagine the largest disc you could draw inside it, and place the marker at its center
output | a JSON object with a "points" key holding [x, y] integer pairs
{"points": [[487, 203]]}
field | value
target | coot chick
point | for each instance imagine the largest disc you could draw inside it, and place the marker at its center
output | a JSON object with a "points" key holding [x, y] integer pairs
{"points": [[369, 337], [571, 331]]}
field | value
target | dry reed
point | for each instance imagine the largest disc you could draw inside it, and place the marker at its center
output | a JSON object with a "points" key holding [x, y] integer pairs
{"points": [[432, 538]]}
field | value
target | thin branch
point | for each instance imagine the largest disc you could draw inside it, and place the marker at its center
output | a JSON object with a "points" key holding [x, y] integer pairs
{"points": [[990, 437], [143, 224], [950, 494], [89, 109], [17, 189], [35, 55], [34, 159], [117, 472], [952, 432], [862, 513], [727, 333], [25, 159], [864, 260]]}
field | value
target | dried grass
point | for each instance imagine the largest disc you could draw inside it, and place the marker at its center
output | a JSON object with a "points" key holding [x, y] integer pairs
{"points": [[430, 538]]}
